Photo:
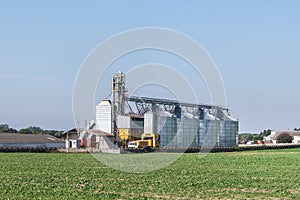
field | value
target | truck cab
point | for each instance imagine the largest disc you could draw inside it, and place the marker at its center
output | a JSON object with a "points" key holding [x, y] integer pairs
{"points": [[133, 145]]}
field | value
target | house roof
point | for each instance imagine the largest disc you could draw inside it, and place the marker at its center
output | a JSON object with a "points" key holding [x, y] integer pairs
{"points": [[71, 131], [292, 133], [28, 138], [98, 132], [90, 131]]}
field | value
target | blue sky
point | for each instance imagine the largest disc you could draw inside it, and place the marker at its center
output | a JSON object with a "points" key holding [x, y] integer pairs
{"points": [[255, 45]]}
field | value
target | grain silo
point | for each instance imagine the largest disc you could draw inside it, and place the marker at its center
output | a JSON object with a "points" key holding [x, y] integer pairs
{"points": [[104, 116], [179, 125]]}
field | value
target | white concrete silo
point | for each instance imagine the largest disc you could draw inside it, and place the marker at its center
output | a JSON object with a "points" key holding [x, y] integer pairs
{"points": [[104, 116]]}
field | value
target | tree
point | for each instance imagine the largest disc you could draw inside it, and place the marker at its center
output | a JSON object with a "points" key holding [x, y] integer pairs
{"points": [[284, 138], [257, 137], [11, 130], [35, 129], [25, 131], [4, 128], [54, 133], [265, 133], [246, 136]]}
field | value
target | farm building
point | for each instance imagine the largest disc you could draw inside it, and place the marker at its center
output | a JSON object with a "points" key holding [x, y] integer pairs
{"points": [[101, 141], [91, 140], [71, 138], [29, 141], [274, 134]]}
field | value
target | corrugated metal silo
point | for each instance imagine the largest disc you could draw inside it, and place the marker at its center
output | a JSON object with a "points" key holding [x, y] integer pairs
{"points": [[188, 133], [209, 131], [168, 132]]}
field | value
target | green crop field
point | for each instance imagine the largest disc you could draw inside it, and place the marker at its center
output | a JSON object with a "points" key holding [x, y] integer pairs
{"points": [[273, 174]]}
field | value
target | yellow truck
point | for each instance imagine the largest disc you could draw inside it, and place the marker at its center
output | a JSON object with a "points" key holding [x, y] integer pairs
{"points": [[149, 141], [125, 136], [138, 144]]}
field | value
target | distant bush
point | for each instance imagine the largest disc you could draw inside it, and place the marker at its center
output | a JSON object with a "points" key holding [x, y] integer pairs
{"points": [[4, 128], [54, 133], [25, 131], [284, 138]]}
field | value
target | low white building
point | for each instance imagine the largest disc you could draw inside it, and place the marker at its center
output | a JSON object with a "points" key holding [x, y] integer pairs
{"points": [[71, 138], [296, 139], [274, 134], [29, 141], [92, 140]]}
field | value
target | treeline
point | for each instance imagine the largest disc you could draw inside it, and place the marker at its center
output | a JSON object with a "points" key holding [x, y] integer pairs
{"points": [[254, 137], [4, 128]]}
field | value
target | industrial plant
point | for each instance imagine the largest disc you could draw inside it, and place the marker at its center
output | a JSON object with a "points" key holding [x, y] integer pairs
{"points": [[171, 124], [159, 123]]}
